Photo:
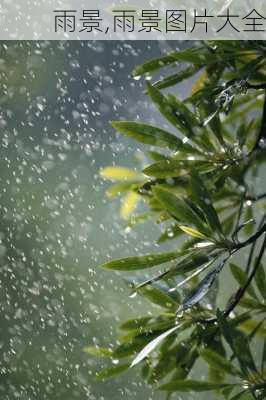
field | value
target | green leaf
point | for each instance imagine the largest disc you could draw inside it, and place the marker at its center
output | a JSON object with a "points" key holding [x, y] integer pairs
{"points": [[238, 343], [192, 386], [194, 56], [203, 199], [98, 351], [159, 297], [241, 277], [119, 174], [240, 395], [170, 233], [152, 345], [178, 208], [260, 280], [202, 289], [174, 111], [112, 372], [141, 262], [176, 168], [218, 362], [135, 323], [263, 358], [176, 78], [148, 134]]}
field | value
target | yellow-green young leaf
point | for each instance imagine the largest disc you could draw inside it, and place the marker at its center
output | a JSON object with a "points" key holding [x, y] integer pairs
{"points": [[119, 174], [192, 232], [98, 351], [111, 372], [119, 188], [141, 262], [129, 204], [192, 386]]}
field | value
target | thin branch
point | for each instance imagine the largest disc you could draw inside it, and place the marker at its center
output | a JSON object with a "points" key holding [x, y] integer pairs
{"points": [[241, 291], [252, 238], [256, 198], [262, 133], [257, 87], [250, 256]]}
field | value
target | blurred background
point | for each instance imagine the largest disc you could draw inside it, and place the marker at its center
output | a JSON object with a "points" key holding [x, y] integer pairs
{"points": [[57, 226]]}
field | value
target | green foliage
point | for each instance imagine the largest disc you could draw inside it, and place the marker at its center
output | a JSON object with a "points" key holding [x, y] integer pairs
{"points": [[198, 187]]}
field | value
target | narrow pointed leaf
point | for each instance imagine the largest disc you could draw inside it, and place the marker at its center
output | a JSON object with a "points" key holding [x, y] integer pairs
{"points": [[202, 289], [241, 277], [112, 371], [260, 279], [159, 297], [148, 134], [176, 78], [204, 200], [98, 351], [141, 262], [218, 361], [192, 386], [135, 323], [194, 56], [192, 232], [238, 343], [177, 207], [152, 345]]}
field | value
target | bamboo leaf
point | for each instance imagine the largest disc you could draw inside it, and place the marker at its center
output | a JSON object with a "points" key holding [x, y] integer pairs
{"points": [[218, 362], [158, 296], [241, 277], [177, 207], [260, 279], [135, 323], [192, 386], [141, 262], [177, 77], [148, 134], [98, 351], [112, 372], [174, 111], [194, 56], [152, 345], [202, 289], [204, 200], [238, 343], [175, 168]]}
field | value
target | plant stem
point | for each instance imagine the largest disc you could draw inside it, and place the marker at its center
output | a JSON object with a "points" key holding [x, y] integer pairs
{"points": [[262, 133], [241, 291]]}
